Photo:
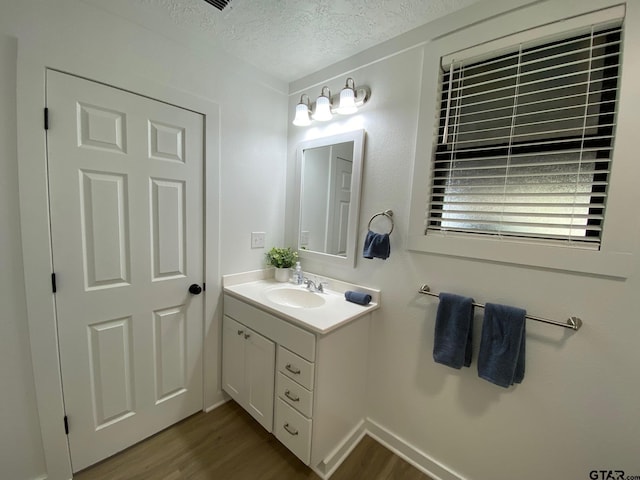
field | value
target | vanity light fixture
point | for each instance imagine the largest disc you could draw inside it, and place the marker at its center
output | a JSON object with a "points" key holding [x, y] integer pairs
{"points": [[302, 112], [345, 103], [323, 106]]}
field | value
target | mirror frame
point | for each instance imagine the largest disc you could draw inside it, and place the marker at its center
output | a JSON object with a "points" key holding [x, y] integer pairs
{"points": [[357, 137]]}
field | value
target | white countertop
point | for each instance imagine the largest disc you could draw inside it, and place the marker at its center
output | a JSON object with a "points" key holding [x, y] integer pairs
{"points": [[252, 287]]}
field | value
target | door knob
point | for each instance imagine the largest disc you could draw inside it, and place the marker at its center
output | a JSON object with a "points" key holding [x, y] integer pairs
{"points": [[195, 289]]}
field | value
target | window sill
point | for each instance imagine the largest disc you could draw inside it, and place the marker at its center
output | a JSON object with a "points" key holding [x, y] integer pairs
{"points": [[523, 253]]}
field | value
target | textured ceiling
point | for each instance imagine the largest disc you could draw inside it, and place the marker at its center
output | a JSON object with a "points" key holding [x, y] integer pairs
{"points": [[293, 38]]}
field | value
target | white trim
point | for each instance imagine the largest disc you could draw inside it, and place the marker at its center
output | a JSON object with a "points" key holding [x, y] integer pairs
{"points": [[415, 457], [613, 258], [396, 444], [211, 408], [36, 251], [36, 242], [358, 139], [341, 452], [507, 43], [211, 275]]}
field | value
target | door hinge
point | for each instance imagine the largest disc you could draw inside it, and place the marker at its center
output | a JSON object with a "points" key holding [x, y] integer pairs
{"points": [[66, 425], [54, 286], [46, 118]]}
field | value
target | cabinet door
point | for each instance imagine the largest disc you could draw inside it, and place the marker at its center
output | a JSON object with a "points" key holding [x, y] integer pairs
{"points": [[233, 358], [260, 358]]}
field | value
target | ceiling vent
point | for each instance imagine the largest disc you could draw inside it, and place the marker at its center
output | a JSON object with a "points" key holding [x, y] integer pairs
{"points": [[219, 4]]}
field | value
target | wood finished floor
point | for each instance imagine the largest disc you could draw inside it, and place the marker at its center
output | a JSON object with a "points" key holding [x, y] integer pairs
{"points": [[227, 444]]}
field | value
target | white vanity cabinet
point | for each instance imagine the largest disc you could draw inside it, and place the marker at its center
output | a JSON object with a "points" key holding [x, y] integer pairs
{"points": [[317, 381], [248, 361]]}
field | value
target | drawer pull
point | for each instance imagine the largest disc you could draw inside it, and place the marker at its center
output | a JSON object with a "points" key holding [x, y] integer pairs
{"points": [[291, 396], [247, 335], [292, 431], [294, 370], [240, 332]]}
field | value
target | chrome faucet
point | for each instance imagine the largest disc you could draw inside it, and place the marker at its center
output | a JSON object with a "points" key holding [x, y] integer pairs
{"points": [[316, 286]]}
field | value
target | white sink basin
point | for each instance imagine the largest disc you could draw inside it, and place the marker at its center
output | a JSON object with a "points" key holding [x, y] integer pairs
{"points": [[295, 297], [317, 312]]}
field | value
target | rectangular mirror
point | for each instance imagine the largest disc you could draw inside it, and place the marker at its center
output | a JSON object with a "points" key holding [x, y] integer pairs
{"points": [[328, 178]]}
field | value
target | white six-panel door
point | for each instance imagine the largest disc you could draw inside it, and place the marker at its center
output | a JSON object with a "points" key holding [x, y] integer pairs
{"points": [[339, 202], [126, 193]]}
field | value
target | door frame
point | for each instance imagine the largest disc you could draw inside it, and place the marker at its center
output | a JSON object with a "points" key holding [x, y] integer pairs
{"points": [[36, 238]]}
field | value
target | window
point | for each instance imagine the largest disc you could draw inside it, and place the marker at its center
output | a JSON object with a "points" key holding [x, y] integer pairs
{"points": [[525, 140]]}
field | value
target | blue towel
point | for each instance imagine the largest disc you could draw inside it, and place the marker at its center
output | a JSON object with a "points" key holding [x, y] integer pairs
{"points": [[454, 330], [502, 346], [376, 245], [357, 297]]}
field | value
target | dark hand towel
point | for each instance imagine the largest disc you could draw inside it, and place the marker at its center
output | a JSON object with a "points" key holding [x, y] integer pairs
{"points": [[502, 346], [357, 297], [454, 330], [376, 245]]}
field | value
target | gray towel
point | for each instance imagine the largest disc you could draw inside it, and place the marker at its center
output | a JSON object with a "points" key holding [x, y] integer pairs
{"points": [[357, 297], [502, 345], [376, 245], [454, 330]]}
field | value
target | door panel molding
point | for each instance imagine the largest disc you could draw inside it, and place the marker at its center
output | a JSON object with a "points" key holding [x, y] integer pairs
{"points": [[110, 344], [106, 258]]}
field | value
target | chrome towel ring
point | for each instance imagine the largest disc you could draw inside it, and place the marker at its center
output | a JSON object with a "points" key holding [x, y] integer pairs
{"points": [[386, 213]]}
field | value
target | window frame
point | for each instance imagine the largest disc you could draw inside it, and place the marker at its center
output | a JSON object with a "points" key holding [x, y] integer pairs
{"points": [[458, 163], [617, 241]]}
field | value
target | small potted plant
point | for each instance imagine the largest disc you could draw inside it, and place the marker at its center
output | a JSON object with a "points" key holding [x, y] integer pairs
{"points": [[282, 259]]}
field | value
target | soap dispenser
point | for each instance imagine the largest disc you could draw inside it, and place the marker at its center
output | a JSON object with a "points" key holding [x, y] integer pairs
{"points": [[298, 276]]}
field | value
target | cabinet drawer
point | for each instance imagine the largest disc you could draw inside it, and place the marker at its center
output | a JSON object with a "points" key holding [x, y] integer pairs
{"points": [[295, 367], [294, 394], [293, 430]]}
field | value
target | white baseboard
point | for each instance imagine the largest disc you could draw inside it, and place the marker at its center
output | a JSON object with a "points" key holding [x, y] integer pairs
{"points": [[215, 405], [330, 464], [409, 453], [393, 442]]}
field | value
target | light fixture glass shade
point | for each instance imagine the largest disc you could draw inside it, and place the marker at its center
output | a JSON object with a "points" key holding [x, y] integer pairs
{"points": [[347, 102], [302, 115], [323, 106], [323, 109]]}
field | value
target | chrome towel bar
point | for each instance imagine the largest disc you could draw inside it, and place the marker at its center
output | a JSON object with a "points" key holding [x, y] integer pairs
{"points": [[574, 323]]}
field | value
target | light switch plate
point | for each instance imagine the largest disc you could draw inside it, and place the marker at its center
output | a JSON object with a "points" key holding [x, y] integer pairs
{"points": [[304, 238], [257, 239]]}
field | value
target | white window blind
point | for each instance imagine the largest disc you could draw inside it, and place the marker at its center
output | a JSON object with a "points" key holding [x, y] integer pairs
{"points": [[525, 140]]}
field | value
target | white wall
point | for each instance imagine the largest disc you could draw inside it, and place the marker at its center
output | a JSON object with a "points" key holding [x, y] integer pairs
{"points": [[577, 409], [77, 37], [20, 443]]}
